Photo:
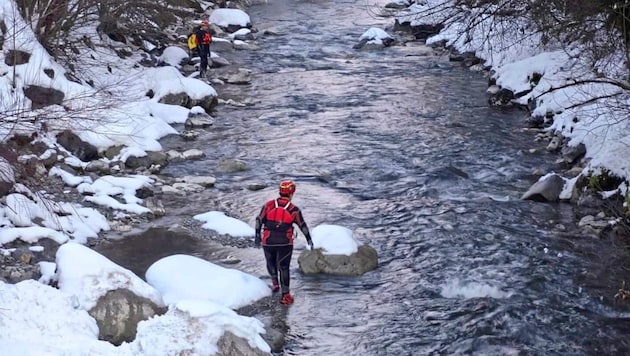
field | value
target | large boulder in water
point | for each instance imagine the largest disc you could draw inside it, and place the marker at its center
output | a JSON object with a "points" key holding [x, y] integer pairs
{"points": [[316, 261], [547, 189], [337, 252]]}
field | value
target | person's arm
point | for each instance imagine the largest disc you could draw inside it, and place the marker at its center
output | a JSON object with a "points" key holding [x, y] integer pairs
{"points": [[199, 37], [258, 228], [304, 228]]}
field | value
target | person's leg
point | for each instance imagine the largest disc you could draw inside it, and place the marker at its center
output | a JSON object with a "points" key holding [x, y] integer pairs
{"points": [[203, 65], [284, 262], [271, 257]]}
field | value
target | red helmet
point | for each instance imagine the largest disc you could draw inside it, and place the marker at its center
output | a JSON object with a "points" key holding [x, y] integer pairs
{"points": [[287, 188]]}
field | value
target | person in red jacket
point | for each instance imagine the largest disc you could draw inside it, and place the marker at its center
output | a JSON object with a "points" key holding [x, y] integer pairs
{"points": [[204, 38], [276, 221]]}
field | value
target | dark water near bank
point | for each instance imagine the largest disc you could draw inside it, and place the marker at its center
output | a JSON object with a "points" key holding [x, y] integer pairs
{"points": [[400, 147]]}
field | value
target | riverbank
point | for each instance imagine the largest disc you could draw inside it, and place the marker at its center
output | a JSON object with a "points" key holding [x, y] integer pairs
{"points": [[575, 122]]}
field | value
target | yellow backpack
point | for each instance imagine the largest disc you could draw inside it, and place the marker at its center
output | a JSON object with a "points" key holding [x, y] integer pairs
{"points": [[192, 41]]}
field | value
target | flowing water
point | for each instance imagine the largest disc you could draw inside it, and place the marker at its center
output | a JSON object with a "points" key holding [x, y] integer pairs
{"points": [[400, 146]]}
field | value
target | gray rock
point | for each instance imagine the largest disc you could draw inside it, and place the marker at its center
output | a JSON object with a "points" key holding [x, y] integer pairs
{"points": [[275, 339], [207, 102], [220, 62], [49, 158], [554, 144], [15, 57], [221, 45], [24, 255], [205, 181], [193, 154], [118, 313], [244, 35], [188, 187], [360, 262], [189, 135], [545, 190], [571, 154], [155, 205], [233, 165], [81, 149], [32, 166], [42, 96], [229, 260], [97, 166], [152, 158], [230, 344], [256, 186], [7, 177], [174, 156], [181, 99], [198, 120], [167, 189], [16, 274], [241, 45], [243, 76], [361, 43], [502, 97], [113, 151], [134, 162], [397, 5]]}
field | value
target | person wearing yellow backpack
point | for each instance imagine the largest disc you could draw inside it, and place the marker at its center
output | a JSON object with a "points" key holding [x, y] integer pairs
{"points": [[204, 38], [192, 43]]}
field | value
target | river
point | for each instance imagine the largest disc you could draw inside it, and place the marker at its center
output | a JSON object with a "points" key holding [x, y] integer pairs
{"points": [[401, 147]]}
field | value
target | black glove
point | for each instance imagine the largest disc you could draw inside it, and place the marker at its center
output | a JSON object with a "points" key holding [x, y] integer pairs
{"points": [[310, 243], [257, 241]]}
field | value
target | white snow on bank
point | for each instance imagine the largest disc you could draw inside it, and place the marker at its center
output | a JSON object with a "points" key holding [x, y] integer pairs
{"points": [[41, 320], [226, 17], [120, 106], [57, 221], [223, 224], [181, 277], [174, 56], [193, 327], [88, 275], [105, 188]]}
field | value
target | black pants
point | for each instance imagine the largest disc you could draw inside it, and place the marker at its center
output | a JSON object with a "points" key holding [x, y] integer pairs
{"points": [[204, 53], [278, 261]]}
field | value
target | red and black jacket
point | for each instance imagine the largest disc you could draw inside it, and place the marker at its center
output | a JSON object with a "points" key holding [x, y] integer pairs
{"points": [[276, 225], [204, 38]]}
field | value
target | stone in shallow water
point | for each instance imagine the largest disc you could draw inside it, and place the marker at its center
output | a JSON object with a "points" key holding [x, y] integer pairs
{"points": [[205, 181], [360, 262], [189, 135], [547, 189], [230, 261], [193, 154]]}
